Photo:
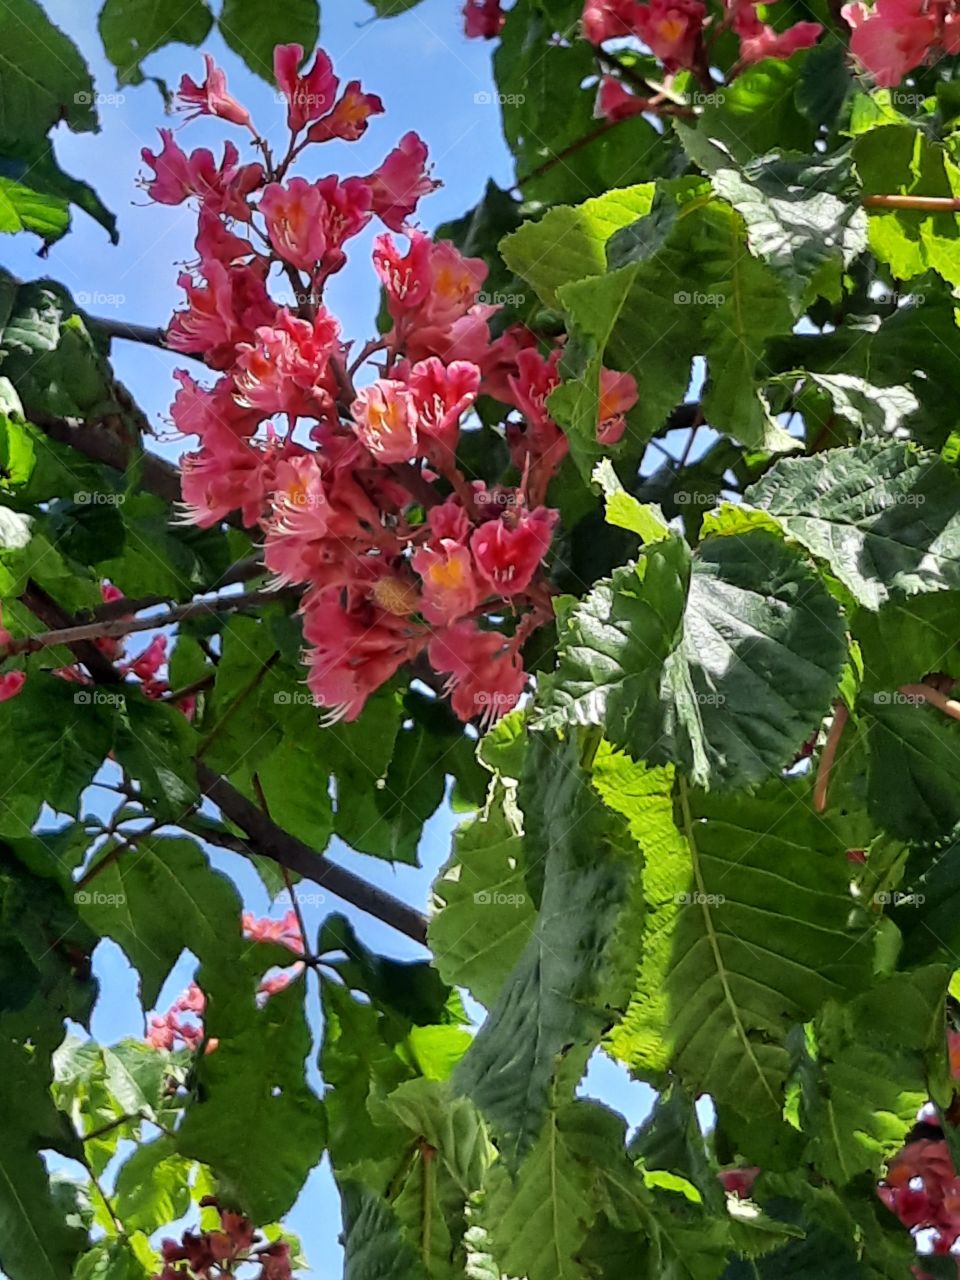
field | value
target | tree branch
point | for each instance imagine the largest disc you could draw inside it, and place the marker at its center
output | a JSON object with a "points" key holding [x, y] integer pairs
{"points": [[265, 837], [116, 627]]}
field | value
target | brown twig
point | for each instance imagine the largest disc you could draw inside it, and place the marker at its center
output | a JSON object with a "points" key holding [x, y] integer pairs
{"points": [[840, 717]]}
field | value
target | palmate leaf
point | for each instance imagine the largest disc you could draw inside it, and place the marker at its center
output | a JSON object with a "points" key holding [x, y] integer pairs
{"points": [[253, 1096], [885, 517], [159, 898], [485, 911], [132, 29], [44, 79], [253, 30], [574, 973], [749, 929], [723, 663], [874, 1061]]}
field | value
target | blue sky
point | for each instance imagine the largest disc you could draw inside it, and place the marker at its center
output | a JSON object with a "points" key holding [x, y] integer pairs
{"points": [[428, 76]]}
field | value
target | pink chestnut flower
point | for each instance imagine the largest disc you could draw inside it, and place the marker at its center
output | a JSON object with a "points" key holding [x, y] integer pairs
{"points": [[211, 97], [309, 93], [401, 181], [385, 420], [486, 677], [508, 553], [450, 584]]}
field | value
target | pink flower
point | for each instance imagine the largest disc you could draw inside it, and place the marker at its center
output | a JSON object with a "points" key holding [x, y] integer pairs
{"points": [[226, 475], [308, 222], [216, 242], [759, 41], [618, 395], [354, 652], [284, 932], [508, 553], [405, 278], [449, 520], [401, 181], [614, 102], [486, 678], [147, 665], [211, 98], [223, 312], [11, 682], [322, 522], [500, 360], [443, 395], [672, 29], [891, 38], [450, 585], [285, 370], [179, 176], [483, 19], [197, 411], [385, 420], [349, 118], [608, 19], [739, 1182], [309, 94]]}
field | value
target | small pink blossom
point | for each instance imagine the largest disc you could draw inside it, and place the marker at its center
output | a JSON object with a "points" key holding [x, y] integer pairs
{"points": [[614, 102], [508, 552], [486, 677], [608, 19], [483, 19], [222, 189], [891, 38], [350, 116], [211, 97], [450, 584], [308, 222], [443, 395], [401, 181], [224, 310], [309, 93], [618, 395], [11, 682], [671, 28], [286, 368], [385, 420]]}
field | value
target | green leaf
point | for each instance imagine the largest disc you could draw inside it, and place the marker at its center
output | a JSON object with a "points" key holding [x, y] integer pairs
{"points": [[36, 1243], [900, 160], [542, 1219], [295, 790], [44, 79], [161, 898], [623, 510], [56, 736], [152, 1186], [911, 767], [253, 1096], [575, 968], [758, 112], [133, 29], [390, 8], [749, 929], [885, 517], [35, 165], [675, 655], [254, 32], [567, 244], [22, 209], [155, 743], [485, 913], [680, 284], [373, 1244]]}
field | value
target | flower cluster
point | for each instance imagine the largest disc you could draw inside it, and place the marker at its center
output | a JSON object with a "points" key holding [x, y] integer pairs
{"points": [[895, 36], [202, 1255], [674, 31], [357, 486]]}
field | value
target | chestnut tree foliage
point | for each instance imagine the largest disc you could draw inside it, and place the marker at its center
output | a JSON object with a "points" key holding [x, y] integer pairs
{"points": [[634, 534]]}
